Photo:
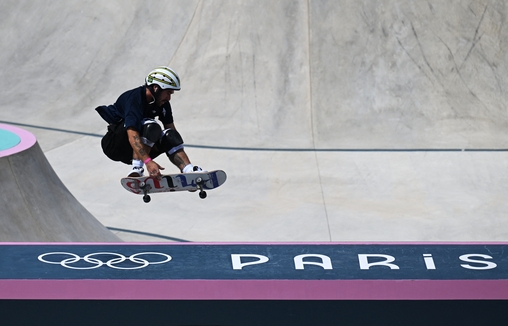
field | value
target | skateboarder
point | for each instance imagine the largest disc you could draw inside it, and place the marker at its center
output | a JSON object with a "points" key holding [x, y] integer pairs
{"points": [[134, 137]]}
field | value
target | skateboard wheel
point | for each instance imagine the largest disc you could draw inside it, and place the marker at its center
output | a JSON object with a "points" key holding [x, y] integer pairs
{"points": [[202, 194], [146, 198]]}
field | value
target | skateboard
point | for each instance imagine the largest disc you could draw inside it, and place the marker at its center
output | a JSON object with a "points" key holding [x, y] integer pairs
{"points": [[201, 181]]}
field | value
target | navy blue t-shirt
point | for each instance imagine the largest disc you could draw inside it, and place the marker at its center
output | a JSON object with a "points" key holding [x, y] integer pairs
{"points": [[132, 107]]}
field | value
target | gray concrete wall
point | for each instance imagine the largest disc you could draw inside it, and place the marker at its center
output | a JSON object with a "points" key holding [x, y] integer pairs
{"points": [[35, 206]]}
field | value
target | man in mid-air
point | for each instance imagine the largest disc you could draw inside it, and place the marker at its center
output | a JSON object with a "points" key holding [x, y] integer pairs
{"points": [[134, 137]]}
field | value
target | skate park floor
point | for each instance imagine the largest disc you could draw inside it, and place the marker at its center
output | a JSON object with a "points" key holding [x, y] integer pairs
{"points": [[369, 196], [335, 122]]}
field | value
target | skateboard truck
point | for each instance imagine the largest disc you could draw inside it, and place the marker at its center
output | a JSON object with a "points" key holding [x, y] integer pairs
{"points": [[146, 188], [200, 182]]}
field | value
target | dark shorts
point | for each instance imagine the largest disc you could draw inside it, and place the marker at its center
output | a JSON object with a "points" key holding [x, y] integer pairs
{"points": [[115, 144]]}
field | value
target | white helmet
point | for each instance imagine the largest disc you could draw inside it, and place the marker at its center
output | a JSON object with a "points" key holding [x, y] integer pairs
{"points": [[164, 77]]}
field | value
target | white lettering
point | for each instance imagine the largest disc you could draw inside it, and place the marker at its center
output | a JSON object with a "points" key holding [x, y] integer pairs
{"points": [[326, 262], [364, 261], [467, 259], [429, 261], [236, 260]]}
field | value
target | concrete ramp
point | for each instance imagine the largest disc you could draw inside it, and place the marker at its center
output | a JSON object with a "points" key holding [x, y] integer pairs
{"points": [[346, 75], [334, 120], [36, 206]]}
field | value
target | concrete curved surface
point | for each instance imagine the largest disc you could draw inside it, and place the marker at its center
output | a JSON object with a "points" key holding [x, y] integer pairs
{"points": [[335, 121], [35, 205]]}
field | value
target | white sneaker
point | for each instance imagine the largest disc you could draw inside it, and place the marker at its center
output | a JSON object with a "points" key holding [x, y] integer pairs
{"points": [[197, 169], [136, 172], [189, 168]]}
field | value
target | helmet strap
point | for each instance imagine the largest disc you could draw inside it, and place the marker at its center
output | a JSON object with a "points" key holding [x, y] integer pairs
{"points": [[152, 92]]}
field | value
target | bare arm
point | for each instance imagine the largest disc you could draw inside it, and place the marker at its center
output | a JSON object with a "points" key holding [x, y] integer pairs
{"points": [[141, 152], [139, 149]]}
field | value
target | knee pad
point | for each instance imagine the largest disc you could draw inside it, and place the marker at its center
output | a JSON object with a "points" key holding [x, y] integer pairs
{"points": [[151, 132], [171, 141]]}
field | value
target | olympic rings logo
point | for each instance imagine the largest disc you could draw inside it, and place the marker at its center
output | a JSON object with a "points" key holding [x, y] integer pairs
{"points": [[96, 262]]}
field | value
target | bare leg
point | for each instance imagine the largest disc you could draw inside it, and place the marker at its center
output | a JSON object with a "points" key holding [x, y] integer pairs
{"points": [[180, 159]]}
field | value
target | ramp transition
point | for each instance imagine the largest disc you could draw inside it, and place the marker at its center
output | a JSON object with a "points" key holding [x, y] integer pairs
{"points": [[34, 204]]}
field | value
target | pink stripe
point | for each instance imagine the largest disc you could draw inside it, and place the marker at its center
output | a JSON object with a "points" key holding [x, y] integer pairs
{"points": [[480, 243], [27, 140], [254, 290]]}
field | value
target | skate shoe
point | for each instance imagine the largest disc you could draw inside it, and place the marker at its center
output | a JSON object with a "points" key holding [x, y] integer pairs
{"points": [[136, 172], [197, 169], [189, 168]]}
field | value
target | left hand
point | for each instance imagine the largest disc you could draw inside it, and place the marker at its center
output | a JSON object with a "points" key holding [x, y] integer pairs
{"points": [[153, 169]]}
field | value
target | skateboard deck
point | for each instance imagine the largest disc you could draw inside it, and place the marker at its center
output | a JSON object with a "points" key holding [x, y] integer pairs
{"points": [[201, 181]]}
